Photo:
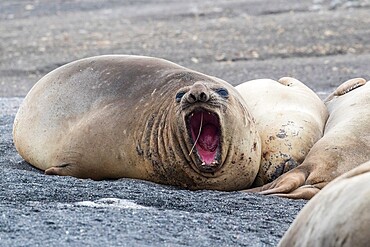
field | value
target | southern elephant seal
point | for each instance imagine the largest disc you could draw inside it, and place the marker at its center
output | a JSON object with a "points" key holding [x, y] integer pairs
{"points": [[138, 117], [289, 117], [344, 146], [337, 216]]}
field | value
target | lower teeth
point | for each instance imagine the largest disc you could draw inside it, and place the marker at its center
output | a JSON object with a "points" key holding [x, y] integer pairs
{"points": [[214, 163]]}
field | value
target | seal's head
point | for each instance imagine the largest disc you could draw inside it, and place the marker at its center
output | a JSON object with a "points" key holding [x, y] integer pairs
{"points": [[201, 112], [218, 133]]}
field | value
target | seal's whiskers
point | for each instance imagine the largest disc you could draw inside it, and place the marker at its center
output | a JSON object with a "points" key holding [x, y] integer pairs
{"points": [[200, 130]]}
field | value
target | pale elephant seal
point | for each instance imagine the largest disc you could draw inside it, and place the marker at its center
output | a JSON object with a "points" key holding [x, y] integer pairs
{"points": [[337, 216], [138, 117], [290, 118], [344, 146]]}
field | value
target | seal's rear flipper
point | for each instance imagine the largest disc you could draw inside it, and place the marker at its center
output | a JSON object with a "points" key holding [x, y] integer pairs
{"points": [[297, 84], [290, 81], [346, 87]]}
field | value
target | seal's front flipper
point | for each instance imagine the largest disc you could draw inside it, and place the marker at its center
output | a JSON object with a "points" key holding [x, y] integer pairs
{"points": [[304, 192], [295, 184], [60, 170], [346, 87], [284, 184]]}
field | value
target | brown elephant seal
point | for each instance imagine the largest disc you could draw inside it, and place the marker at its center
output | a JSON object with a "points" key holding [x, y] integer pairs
{"points": [[289, 117], [344, 146], [138, 117], [337, 216]]}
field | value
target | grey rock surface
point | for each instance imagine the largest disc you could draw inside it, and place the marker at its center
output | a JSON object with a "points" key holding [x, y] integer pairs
{"points": [[320, 42]]}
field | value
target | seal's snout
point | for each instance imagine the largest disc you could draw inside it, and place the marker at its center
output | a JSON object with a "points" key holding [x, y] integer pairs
{"points": [[198, 93]]}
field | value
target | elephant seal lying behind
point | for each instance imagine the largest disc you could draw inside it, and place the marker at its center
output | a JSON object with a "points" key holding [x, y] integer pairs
{"points": [[290, 118], [344, 146]]}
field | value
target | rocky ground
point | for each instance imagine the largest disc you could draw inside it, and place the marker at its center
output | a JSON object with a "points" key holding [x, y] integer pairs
{"points": [[320, 42]]}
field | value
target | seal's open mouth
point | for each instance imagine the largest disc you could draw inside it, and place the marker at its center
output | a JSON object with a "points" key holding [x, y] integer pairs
{"points": [[205, 131]]}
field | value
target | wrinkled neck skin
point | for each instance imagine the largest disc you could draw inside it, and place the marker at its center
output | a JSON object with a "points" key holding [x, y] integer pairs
{"points": [[177, 157]]}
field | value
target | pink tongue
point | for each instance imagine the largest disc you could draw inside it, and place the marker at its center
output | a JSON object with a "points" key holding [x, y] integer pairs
{"points": [[208, 142], [208, 139]]}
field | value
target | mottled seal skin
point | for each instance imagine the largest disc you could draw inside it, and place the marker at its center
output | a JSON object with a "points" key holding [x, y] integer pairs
{"points": [[337, 216], [290, 118], [118, 116], [344, 146]]}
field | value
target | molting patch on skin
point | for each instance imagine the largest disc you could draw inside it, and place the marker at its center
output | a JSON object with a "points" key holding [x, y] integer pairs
{"points": [[282, 134]]}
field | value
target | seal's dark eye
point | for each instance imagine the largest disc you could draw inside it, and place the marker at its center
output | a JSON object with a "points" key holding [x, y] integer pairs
{"points": [[223, 92], [179, 96]]}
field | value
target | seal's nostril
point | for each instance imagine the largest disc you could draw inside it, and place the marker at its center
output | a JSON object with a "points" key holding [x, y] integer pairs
{"points": [[203, 97], [192, 98]]}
